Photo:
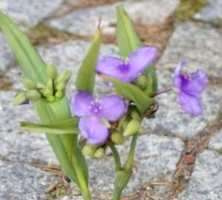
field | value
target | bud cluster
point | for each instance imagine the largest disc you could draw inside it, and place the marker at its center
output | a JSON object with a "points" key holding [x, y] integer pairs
{"points": [[51, 91]]}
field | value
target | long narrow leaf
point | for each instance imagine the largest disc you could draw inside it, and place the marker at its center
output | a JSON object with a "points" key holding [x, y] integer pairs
{"points": [[133, 93], [49, 129], [86, 75], [126, 36], [30, 61]]}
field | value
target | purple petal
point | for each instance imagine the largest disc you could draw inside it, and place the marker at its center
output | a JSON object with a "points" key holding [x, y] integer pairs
{"points": [[190, 104], [93, 130], [140, 59], [113, 107], [109, 66], [80, 103], [197, 83], [177, 76]]}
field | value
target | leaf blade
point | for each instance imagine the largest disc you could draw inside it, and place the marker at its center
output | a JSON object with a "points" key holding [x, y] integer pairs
{"points": [[127, 38], [86, 76], [133, 93]]}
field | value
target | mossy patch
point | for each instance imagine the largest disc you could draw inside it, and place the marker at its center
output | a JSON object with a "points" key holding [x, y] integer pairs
{"points": [[187, 8]]}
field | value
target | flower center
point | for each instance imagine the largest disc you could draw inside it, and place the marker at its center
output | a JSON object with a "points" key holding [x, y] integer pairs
{"points": [[124, 68], [95, 108]]}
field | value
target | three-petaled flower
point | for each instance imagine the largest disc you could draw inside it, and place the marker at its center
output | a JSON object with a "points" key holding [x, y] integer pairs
{"points": [[129, 69], [95, 113], [190, 88]]}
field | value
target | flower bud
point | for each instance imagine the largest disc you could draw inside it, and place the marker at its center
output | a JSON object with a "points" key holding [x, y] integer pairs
{"points": [[64, 77], [51, 71], [132, 128], [135, 115], [40, 86], [33, 95], [60, 86], [50, 98], [117, 138], [142, 82], [46, 92], [89, 150], [49, 85], [100, 152], [29, 84], [19, 98], [59, 94]]}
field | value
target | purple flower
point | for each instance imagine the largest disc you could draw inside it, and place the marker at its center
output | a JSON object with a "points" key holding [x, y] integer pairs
{"points": [[95, 113], [190, 87], [129, 69]]}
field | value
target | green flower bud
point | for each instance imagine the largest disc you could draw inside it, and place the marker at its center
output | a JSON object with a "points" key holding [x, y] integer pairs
{"points": [[60, 86], [142, 82], [100, 152], [49, 85], [51, 71], [20, 98], [64, 77], [46, 92], [33, 95], [89, 150], [29, 84], [117, 138], [50, 98], [59, 94], [135, 115], [132, 128], [40, 86]]}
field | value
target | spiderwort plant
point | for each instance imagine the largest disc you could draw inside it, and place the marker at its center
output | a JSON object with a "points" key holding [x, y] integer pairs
{"points": [[86, 125]]}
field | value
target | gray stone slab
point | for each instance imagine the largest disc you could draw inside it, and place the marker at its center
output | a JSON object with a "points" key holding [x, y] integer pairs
{"points": [[211, 13], [22, 182], [206, 180], [216, 142], [199, 44], [16, 144], [28, 13], [85, 21], [6, 57]]}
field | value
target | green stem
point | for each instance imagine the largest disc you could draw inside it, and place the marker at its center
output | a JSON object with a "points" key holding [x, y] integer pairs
{"points": [[130, 160], [123, 174], [116, 156]]}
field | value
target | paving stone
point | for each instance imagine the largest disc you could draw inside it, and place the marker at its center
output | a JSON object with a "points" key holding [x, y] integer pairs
{"points": [[28, 13], [85, 21], [199, 44], [22, 182], [206, 180], [17, 145], [211, 13], [6, 57], [216, 142]]}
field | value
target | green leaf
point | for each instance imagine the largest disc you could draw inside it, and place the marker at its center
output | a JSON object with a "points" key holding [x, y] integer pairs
{"points": [[133, 93], [66, 146], [66, 127], [127, 38], [152, 84], [31, 63], [86, 75]]}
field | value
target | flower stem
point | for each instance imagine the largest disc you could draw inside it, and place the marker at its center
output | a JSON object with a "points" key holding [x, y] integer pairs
{"points": [[116, 156], [123, 174]]}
